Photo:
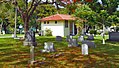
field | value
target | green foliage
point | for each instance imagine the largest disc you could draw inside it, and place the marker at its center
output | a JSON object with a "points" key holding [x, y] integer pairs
{"points": [[48, 32], [117, 29], [45, 10], [92, 31], [86, 13]]}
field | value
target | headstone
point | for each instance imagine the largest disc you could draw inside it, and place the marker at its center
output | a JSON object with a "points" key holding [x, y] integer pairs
{"points": [[90, 37], [32, 53], [68, 37], [30, 39], [113, 36], [3, 32], [58, 38], [89, 43], [84, 48], [80, 38], [72, 43], [48, 47]]}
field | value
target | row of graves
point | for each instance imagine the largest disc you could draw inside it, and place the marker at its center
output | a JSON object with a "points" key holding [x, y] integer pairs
{"points": [[72, 42], [49, 46]]}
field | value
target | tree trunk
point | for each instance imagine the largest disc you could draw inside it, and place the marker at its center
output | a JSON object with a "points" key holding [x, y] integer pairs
{"points": [[1, 27], [26, 26], [26, 22]]}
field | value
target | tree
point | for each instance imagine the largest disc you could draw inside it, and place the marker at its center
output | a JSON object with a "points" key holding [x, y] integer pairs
{"points": [[5, 13], [85, 15], [26, 9]]}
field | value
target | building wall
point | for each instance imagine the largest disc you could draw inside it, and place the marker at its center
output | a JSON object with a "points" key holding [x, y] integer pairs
{"points": [[56, 28]]}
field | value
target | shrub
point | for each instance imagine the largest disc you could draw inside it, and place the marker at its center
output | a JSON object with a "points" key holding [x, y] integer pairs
{"points": [[48, 32], [92, 31], [117, 29]]}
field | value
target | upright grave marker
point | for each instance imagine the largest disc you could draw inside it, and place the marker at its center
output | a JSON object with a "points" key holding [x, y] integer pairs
{"points": [[30, 41]]}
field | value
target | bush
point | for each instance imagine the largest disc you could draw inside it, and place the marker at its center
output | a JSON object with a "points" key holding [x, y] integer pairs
{"points": [[48, 32], [92, 31], [117, 29]]}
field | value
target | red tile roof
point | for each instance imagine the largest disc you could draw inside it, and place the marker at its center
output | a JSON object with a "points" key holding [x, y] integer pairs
{"points": [[58, 17]]}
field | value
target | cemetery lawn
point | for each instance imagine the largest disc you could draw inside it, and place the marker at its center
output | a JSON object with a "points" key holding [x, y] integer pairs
{"points": [[14, 55]]}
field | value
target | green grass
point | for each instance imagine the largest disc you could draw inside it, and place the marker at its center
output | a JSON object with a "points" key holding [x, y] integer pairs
{"points": [[14, 55]]}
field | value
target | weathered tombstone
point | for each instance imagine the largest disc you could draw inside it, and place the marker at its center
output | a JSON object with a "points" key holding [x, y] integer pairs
{"points": [[3, 32], [48, 47], [113, 36], [81, 38], [84, 48], [72, 43], [30, 39], [89, 43], [75, 43], [68, 37], [90, 37], [58, 38]]}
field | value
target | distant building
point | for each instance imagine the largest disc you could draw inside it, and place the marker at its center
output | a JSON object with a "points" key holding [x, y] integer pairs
{"points": [[59, 24]]}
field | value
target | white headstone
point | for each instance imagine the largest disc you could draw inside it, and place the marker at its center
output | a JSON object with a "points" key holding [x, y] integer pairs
{"points": [[48, 47], [84, 49], [3, 32]]}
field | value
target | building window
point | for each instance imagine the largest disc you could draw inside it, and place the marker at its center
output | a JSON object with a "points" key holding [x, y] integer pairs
{"points": [[47, 22], [66, 23], [55, 22], [44, 22]]}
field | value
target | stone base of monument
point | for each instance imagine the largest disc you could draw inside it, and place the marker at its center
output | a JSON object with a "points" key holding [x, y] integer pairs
{"points": [[32, 62], [26, 43]]}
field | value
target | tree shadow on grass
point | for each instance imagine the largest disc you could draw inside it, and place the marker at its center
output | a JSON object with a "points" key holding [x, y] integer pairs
{"points": [[109, 52]]}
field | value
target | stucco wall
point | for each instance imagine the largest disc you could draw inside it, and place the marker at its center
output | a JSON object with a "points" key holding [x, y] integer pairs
{"points": [[67, 30], [57, 29]]}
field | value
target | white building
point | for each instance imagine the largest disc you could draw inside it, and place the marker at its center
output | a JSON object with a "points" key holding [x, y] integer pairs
{"points": [[59, 24]]}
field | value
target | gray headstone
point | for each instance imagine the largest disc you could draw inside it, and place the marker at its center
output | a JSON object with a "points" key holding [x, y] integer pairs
{"points": [[90, 37], [72, 43], [80, 38], [114, 36], [58, 38], [30, 38], [67, 38], [48, 47], [89, 43]]}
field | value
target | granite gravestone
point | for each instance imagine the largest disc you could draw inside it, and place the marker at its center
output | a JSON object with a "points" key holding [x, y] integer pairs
{"points": [[89, 43], [72, 43], [30, 39], [90, 37], [68, 37], [113, 36], [48, 47], [58, 38], [81, 38]]}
